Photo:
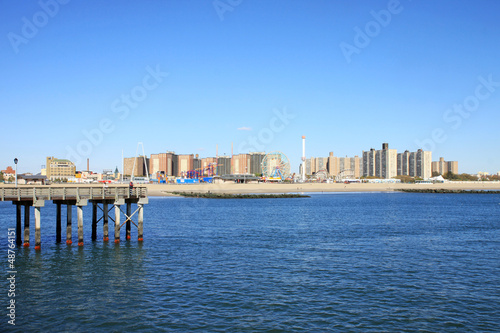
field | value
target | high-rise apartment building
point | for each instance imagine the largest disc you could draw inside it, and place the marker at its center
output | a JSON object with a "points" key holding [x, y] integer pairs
{"points": [[415, 164], [442, 167], [197, 163], [314, 165], [380, 163], [223, 165], [404, 163], [185, 163], [256, 159], [347, 166], [241, 164]]}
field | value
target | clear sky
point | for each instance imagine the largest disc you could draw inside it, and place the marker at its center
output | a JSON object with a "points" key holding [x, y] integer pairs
{"points": [[88, 79]]}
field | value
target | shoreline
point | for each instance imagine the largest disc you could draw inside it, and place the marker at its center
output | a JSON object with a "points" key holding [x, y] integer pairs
{"points": [[233, 188]]}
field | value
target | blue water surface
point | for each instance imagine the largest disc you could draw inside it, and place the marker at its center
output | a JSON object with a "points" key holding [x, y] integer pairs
{"points": [[363, 262]]}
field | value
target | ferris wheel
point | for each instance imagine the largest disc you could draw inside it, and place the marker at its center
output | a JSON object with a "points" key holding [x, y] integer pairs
{"points": [[276, 166]]}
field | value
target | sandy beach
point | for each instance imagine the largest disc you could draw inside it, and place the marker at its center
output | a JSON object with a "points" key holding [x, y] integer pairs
{"points": [[232, 188]]}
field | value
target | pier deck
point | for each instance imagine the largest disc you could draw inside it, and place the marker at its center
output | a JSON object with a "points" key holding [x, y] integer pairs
{"points": [[79, 196]]}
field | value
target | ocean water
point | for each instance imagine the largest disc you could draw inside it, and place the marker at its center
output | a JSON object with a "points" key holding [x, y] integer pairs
{"points": [[347, 262]]}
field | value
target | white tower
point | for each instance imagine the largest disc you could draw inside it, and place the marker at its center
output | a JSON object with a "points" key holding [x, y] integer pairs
{"points": [[303, 158]]}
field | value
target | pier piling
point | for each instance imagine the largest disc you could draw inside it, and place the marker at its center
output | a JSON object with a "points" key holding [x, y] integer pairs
{"points": [[94, 221], [105, 229], [68, 224], [79, 213], [117, 223], [128, 224], [26, 226], [18, 224], [140, 218], [58, 223], [38, 233]]}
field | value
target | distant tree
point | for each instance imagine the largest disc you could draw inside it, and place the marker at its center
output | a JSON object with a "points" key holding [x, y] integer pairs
{"points": [[461, 177], [11, 179], [435, 173], [450, 176], [1, 177]]}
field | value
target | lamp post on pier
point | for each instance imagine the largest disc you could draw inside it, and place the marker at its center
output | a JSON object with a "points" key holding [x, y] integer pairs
{"points": [[15, 162]]}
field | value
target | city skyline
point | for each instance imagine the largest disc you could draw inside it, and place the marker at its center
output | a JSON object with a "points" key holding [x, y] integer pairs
{"points": [[80, 83]]}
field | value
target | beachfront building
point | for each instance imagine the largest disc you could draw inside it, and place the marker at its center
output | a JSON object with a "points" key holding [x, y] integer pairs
{"points": [[185, 164], [256, 159], [314, 165], [380, 163], [415, 164], [404, 163], [223, 165], [241, 164], [59, 168], [347, 167], [168, 163], [443, 167], [197, 163]]}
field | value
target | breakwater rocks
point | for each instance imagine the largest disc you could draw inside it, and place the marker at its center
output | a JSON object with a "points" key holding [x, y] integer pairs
{"points": [[442, 190], [238, 196]]}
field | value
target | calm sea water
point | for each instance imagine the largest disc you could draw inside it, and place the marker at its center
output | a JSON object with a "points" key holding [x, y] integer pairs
{"points": [[333, 262]]}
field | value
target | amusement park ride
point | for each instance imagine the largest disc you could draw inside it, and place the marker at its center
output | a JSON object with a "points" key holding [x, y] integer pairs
{"points": [[209, 171], [275, 167]]}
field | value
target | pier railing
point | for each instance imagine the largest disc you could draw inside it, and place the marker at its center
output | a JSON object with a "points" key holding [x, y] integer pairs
{"points": [[23, 193]]}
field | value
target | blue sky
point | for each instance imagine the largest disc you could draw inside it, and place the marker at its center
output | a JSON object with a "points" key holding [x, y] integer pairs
{"points": [[88, 79]]}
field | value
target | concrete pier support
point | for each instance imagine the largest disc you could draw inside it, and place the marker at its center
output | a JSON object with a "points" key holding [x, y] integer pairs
{"points": [[18, 224], [78, 196], [128, 224], [68, 224], [140, 221], [79, 213], [94, 221], [26, 226], [117, 223], [105, 229], [38, 233], [58, 223]]}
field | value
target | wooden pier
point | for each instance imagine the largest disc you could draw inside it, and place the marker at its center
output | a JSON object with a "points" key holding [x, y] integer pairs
{"points": [[101, 198]]}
